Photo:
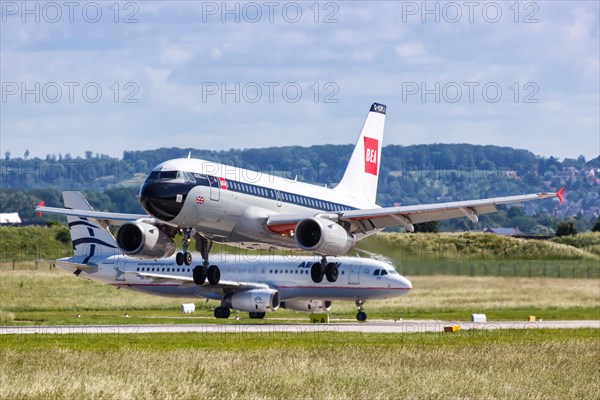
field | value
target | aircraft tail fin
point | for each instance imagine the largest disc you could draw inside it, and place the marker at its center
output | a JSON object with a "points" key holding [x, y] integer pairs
{"points": [[89, 236], [362, 173]]}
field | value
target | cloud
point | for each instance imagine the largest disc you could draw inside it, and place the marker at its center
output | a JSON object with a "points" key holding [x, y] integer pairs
{"points": [[368, 53]]}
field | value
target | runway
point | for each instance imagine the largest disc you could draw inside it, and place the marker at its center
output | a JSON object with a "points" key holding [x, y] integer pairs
{"points": [[410, 326]]}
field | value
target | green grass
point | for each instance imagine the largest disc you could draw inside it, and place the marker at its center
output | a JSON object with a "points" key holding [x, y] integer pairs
{"points": [[55, 297], [589, 241], [467, 247], [533, 364], [32, 242], [478, 254]]}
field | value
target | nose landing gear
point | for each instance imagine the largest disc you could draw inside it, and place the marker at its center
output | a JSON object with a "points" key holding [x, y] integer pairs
{"points": [[361, 315], [185, 256]]}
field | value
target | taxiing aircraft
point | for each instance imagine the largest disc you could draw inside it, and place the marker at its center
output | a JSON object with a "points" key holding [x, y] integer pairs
{"points": [[251, 283], [210, 202]]}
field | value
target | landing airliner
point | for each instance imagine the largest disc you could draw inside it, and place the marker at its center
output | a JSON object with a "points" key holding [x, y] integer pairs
{"points": [[210, 202], [254, 284]]}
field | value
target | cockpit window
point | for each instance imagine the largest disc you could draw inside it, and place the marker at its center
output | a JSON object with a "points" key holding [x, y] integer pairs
{"points": [[383, 272], [376, 272], [167, 175], [393, 272]]}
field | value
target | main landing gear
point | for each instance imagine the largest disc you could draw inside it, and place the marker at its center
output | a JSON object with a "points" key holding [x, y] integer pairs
{"points": [[185, 257], [222, 312], [324, 269], [361, 315], [203, 272]]}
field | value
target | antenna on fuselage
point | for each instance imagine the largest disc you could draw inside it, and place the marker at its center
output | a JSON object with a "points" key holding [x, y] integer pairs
{"points": [[189, 155]]}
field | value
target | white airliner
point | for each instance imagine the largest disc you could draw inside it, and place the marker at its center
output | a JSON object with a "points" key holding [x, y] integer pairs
{"points": [[255, 284], [215, 202]]}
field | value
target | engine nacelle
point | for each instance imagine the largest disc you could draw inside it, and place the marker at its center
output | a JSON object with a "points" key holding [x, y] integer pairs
{"points": [[307, 305], [254, 300], [323, 237], [143, 240]]}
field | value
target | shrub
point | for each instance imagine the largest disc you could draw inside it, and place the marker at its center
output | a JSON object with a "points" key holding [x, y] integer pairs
{"points": [[566, 228]]}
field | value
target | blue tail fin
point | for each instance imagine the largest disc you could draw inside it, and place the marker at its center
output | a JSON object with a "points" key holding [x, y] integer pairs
{"points": [[90, 237]]}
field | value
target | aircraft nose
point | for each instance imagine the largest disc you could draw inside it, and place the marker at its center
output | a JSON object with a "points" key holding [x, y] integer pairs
{"points": [[164, 200], [405, 283]]}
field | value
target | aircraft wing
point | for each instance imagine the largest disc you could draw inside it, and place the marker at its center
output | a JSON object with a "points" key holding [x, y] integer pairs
{"points": [[365, 221], [108, 217], [188, 281]]}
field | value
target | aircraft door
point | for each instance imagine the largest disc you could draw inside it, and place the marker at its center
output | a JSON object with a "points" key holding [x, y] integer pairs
{"points": [[120, 269], [215, 188], [278, 196], [354, 274]]}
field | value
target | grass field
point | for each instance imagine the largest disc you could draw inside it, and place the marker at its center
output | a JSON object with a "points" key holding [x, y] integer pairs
{"points": [[478, 254], [530, 364], [46, 296]]}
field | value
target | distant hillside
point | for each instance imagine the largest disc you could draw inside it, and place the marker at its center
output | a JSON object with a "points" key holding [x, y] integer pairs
{"points": [[409, 175]]}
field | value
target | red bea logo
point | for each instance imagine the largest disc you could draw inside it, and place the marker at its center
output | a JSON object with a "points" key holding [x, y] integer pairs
{"points": [[371, 156]]}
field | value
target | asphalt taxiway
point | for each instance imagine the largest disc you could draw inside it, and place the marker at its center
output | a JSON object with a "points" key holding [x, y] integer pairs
{"points": [[408, 326]]}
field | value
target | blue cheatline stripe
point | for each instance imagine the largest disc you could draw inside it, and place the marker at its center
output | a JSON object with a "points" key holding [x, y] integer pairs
{"points": [[77, 242], [264, 192], [72, 224], [91, 232], [286, 197], [92, 251]]}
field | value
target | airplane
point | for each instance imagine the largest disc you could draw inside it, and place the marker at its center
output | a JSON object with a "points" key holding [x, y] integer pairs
{"points": [[212, 202], [256, 284]]}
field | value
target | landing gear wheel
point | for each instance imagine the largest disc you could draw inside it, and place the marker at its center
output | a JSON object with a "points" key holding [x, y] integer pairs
{"points": [[332, 272], [213, 274], [316, 272], [199, 275], [222, 312], [257, 315], [179, 258], [187, 258], [361, 315]]}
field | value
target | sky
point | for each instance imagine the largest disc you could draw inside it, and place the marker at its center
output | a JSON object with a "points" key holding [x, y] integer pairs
{"points": [[112, 76]]}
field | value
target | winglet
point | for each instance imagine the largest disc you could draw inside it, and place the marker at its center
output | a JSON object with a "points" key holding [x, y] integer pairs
{"points": [[559, 194], [41, 205]]}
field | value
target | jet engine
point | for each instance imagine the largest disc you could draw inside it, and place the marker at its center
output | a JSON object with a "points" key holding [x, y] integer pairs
{"points": [[307, 305], [254, 300], [322, 236], [143, 240]]}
